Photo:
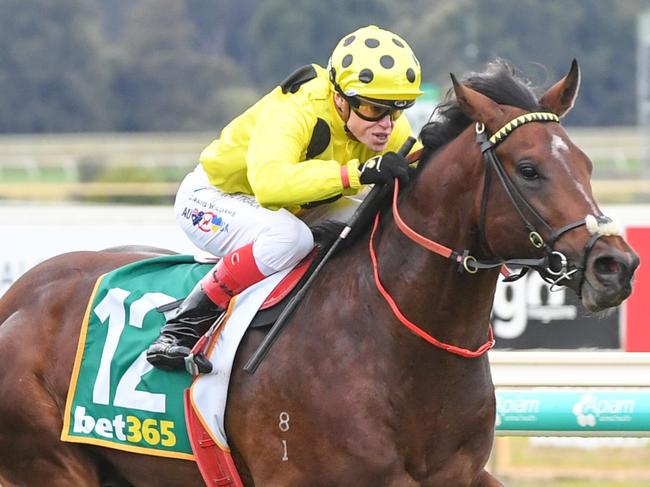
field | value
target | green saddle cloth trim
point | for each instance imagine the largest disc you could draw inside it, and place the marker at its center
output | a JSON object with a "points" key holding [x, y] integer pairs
{"points": [[116, 398]]}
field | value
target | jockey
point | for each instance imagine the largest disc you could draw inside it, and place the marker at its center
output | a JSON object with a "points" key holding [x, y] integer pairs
{"points": [[322, 134]]}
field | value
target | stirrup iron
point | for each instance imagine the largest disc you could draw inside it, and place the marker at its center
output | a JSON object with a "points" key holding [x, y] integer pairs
{"points": [[196, 362]]}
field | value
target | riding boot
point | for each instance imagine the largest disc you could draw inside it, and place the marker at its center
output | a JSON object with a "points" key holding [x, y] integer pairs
{"points": [[191, 320], [203, 306]]}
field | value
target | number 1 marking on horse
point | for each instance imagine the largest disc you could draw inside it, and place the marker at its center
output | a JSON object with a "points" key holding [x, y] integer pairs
{"points": [[285, 457]]}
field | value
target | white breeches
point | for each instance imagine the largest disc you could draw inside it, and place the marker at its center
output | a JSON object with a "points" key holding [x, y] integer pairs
{"points": [[219, 223]]}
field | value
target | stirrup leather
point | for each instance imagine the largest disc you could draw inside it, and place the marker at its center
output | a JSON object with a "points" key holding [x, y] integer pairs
{"points": [[196, 362]]}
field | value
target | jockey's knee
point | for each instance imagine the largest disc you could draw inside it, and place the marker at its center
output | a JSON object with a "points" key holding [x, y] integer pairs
{"points": [[303, 242], [279, 249]]}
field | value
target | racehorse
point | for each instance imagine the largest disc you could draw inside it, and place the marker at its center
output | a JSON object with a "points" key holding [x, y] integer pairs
{"points": [[380, 377]]}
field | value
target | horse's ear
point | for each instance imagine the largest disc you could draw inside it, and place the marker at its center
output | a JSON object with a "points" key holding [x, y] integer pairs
{"points": [[477, 106], [561, 97]]}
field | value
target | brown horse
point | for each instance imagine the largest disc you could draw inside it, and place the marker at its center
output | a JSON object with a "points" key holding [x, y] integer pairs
{"points": [[364, 400]]}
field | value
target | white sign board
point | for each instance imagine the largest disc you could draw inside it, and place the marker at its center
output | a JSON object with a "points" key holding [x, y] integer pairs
{"points": [[31, 233]]}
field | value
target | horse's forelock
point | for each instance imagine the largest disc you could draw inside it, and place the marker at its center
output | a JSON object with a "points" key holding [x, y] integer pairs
{"points": [[499, 81]]}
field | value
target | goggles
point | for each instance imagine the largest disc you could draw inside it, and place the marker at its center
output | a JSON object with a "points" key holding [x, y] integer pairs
{"points": [[375, 110]]}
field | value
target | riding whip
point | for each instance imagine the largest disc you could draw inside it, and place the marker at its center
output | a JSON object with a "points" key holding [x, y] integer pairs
{"points": [[369, 203]]}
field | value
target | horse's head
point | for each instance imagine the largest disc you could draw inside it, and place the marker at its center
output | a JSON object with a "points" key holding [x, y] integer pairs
{"points": [[537, 202]]}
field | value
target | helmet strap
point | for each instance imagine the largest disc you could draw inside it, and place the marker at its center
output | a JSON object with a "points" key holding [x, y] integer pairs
{"points": [[344, 112], [349, 133]]}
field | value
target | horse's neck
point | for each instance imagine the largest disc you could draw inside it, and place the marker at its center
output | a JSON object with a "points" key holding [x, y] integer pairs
{"points": [[441, 205]]}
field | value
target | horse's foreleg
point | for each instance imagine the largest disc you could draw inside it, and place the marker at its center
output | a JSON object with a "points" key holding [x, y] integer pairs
{"points": [[31, 453], [487, 480], [47, 471]]}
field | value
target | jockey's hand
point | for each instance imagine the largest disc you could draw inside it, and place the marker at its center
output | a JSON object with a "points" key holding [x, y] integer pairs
{"points": [[384, 169]]}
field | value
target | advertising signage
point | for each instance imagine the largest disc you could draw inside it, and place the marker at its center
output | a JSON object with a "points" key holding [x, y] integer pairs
{"points": [[527, 314]]}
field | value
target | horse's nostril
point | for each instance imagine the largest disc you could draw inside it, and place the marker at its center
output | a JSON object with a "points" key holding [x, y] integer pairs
{"points": [[607, 265]]}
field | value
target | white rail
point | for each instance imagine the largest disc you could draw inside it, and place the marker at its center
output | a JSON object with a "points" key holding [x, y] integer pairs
{"points": [[570, 369]]}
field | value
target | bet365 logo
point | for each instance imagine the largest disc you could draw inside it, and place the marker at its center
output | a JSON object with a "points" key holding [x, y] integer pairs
{"points": [[130, 428]]}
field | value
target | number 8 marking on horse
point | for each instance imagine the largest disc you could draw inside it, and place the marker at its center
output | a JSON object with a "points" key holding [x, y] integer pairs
{"points": [[284, 422]]}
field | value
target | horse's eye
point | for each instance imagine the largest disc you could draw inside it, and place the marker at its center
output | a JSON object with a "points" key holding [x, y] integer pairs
{"points": [[528, 171]]}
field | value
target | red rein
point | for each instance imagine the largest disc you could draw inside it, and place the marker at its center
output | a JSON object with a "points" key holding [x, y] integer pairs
{"points": [[434, 247]]}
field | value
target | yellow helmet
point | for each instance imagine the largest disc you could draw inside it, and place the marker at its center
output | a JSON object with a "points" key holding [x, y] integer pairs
{"points": [[377, 64]]}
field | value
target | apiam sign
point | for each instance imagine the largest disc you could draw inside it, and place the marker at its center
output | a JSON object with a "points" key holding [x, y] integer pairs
{"points": [[547, 412]]}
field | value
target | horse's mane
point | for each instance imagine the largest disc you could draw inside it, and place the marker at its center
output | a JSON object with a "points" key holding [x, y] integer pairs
{"points": [[500, 82]]}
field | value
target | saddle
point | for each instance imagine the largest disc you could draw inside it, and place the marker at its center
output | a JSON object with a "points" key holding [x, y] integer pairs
{"points": [[279, 297]]}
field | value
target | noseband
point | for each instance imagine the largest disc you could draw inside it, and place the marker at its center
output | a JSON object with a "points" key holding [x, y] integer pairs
{"points": [[554, 266]]}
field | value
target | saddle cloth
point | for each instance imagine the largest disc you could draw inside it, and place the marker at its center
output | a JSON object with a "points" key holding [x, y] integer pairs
{"points": [[116, 398]]}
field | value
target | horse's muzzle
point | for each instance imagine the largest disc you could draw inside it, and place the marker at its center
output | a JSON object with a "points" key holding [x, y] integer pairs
{"points": [[608, 275]]}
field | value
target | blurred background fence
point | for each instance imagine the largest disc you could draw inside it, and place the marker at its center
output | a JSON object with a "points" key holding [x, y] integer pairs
{"points": [[147, 167], [563, 416]]}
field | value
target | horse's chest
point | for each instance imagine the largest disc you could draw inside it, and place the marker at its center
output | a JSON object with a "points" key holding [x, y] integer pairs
{"points": [[449, 446], [444, 450]]}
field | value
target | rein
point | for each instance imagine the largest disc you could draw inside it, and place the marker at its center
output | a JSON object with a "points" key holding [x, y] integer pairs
{"points": [[439, 249]]}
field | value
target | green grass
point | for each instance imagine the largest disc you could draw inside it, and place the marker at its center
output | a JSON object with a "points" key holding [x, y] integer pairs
{"points": [[603, 458], [623, 168], [137, 174], [522, 463], [42, 174], [93, 171]]}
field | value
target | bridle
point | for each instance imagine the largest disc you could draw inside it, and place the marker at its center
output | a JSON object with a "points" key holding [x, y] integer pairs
{"points": [[553, 266]]}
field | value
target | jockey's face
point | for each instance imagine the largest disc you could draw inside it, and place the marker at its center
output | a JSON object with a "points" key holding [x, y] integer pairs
{"points": [[373, 135]]}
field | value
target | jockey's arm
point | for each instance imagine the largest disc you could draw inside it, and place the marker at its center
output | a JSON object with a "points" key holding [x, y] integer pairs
{"points": [[277, 171]]}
